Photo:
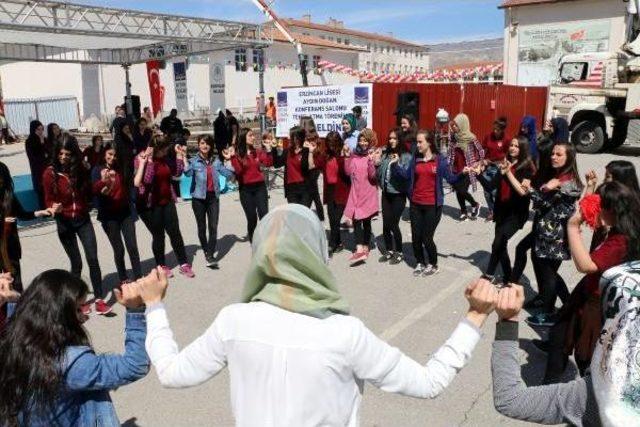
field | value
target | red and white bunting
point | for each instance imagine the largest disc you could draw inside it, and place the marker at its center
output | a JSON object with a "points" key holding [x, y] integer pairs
{"points": [[484, 71]]}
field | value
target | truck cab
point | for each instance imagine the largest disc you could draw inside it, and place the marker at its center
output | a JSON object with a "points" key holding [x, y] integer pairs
{"points": [[592, 93]]}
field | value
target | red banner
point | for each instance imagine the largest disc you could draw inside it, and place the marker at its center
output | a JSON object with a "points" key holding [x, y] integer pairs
{"points": [[156, 90]]}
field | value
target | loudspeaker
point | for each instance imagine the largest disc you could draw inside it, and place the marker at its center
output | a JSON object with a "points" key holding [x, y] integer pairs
{"points": [[408, 103], [135, 104]]}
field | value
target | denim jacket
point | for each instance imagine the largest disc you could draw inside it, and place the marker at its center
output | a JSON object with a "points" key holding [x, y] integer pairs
{"points": [[84, 398], [390, 182], [197, 169]]}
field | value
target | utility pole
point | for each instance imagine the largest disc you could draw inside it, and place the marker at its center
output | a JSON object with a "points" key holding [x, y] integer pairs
{"points": [[282, 27]]}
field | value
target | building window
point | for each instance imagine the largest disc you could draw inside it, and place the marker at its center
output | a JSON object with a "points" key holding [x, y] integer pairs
{"points": [[339, 40], [316, 61], [241, 59], [347, 41], [258, 58], [322, 36]]}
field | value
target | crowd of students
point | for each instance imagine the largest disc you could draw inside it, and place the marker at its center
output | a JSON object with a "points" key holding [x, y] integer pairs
{"points": [[529, 175]]}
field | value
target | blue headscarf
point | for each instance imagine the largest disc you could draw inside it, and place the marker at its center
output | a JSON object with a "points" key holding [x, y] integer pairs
{"points": [[529, 125], [560, 130]]}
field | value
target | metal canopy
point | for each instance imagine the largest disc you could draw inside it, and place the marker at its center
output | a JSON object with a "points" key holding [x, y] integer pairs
{"points": [[65, 32]]}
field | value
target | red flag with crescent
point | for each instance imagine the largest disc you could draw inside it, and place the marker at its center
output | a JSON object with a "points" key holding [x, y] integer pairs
{"points": [[155, 89]]}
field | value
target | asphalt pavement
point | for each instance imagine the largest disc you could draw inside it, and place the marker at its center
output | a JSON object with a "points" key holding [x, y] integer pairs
{"points": [[414, 314]]}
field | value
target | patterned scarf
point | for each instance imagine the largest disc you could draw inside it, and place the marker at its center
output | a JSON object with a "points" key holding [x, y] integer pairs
{"points": [[615, 367], [289, 267]]}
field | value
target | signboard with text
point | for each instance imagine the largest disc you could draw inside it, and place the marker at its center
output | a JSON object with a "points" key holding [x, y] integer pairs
{"points": [[180, 82], [216, 86], [540, 47], [325, 104]]}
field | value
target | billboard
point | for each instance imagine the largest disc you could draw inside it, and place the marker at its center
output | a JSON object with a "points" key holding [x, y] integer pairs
{"points": [[325, 104], [540, 47], [180, 82]]}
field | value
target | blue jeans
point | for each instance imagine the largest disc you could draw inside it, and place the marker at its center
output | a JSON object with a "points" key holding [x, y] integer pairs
{"points": [[487, 181]]}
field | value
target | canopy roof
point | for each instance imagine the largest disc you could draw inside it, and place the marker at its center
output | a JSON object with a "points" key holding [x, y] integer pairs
{"points": [[65, 32]]}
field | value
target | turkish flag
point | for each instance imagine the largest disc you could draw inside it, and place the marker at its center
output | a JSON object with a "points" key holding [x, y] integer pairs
{"points": [[155, 89]]}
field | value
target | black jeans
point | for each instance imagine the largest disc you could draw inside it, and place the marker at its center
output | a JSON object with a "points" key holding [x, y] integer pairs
{"points": [[207, 212], [362, 230], [334, 211], [161, 219], [520, 262], [115, 231], [298, 194], [69, 231], [505, 230], [253, 198], [461, 188], [550, 283], [392, 207], [314, 193], [424, 221]]}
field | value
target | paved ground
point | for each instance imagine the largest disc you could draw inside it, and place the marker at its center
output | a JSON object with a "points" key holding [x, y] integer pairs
{"points": [[416, 315]]}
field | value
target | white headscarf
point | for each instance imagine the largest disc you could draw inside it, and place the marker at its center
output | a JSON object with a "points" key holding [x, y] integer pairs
{"points": [[615, 367]]}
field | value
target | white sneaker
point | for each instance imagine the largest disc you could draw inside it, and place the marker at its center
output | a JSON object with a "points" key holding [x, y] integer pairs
{"points": [[419, 270], [431, 270]]}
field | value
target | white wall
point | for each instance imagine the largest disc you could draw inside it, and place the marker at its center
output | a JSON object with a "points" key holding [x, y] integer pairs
{"points": [[379, 51], [39, 79], [558, 13], [34, 80]]}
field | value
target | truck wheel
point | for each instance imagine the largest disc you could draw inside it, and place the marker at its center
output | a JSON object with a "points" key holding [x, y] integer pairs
{"points": [[588, 137], [619, 134]]}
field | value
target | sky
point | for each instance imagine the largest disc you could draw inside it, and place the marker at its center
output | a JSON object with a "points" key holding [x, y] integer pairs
{"points": [[419, 21]]}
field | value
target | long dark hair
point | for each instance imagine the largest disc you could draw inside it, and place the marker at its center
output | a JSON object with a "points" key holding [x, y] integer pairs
{"points": [[544, 171], [209, 141], [159, 143], [524, 158], [50, 136], [624, 172], [6, 192], [75, 170], [624, 204], [243, 149], [33, 344], [400, 148], [571, 167], [333, 143], [35, 124], [116, 161], [408, 137], [309, 125], [297, 136]]}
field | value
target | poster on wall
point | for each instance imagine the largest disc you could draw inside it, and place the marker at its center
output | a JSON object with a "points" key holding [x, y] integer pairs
{"points": [[325, 104], [180, 83], [540, 47], [216, 86]]}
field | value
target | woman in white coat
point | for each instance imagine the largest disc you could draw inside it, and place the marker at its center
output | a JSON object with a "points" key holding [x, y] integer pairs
{"points": [[292, 340]]}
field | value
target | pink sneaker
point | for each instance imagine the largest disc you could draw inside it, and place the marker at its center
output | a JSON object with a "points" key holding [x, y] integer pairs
{"points": [[186, 270], [86, 309], [102, 307], [167, 271], [357, 257]]}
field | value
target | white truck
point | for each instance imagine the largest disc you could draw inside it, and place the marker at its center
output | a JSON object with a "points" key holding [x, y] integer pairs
{"points": [[599, 93]]}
